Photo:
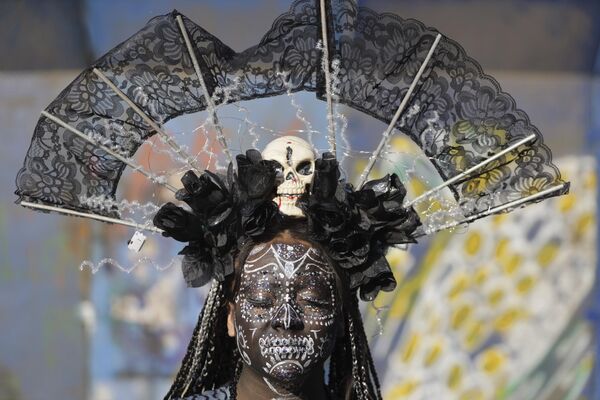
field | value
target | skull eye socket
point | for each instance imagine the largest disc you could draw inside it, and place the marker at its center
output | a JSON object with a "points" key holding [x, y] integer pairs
{"points": [[304, 168]]}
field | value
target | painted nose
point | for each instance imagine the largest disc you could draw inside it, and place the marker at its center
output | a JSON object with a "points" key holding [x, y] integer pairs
{"points": [[287, 317]]}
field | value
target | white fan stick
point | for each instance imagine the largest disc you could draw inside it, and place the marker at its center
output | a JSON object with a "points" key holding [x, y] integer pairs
{"points": [[500, 208], [387, 134], [470, 170], [209, 103], [90, 216], [330, 124], [116, 155], [166, 137]]}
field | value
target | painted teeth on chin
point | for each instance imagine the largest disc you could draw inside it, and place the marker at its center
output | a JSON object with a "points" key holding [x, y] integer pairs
{"points": [[293, 341], [286, 352]]}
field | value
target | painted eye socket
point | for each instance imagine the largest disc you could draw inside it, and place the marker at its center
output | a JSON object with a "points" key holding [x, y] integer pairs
{"points": [[304, 168], [260, 301], [313, 301]]}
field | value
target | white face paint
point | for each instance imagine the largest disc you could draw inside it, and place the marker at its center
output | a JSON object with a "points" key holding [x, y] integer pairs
{"points": [[285, 312], [297, 165]]}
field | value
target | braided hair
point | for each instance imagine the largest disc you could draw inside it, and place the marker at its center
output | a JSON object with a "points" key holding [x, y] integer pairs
{"points": [[212, 359]]}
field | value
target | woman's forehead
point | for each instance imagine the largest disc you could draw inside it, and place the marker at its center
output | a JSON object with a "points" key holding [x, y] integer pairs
{"points": [[287, 255], [289, 249]]}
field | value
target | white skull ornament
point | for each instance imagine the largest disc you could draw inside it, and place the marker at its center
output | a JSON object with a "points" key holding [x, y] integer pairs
{"points": [[296, 161]]}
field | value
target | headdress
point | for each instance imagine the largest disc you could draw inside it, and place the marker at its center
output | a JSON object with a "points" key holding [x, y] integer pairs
{"points": [[487, 155]]}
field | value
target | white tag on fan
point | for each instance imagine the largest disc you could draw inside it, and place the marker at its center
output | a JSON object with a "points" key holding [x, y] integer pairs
{"points": [[136, 242]]}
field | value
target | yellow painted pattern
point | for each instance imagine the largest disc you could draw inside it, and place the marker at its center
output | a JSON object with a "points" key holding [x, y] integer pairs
{"points": [[473, 293]]}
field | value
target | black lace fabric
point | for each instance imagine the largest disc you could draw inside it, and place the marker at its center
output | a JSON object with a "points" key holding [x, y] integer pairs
{"points": [[458, 115]]}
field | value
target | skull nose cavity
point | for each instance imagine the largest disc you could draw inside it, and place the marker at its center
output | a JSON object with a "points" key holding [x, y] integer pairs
{"points": [[290, 176]]}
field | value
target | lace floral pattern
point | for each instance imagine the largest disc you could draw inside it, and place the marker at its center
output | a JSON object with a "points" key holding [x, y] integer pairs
{"points": [[461, 115]]}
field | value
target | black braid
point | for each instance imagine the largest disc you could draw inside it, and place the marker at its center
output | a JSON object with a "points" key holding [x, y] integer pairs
{"points": [[187, 360], [373, 379], [204, 367], [352, 375]]}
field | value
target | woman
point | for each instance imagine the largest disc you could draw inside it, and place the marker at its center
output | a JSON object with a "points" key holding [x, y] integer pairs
{"points": [[284, 294], [271, 327]]}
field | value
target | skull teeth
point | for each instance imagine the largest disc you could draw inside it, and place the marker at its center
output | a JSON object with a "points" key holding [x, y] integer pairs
{"points": [[290, 190], [286, 200]]}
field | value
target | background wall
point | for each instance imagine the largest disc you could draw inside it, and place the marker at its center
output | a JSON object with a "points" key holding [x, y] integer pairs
{"points": [[71, 334]]}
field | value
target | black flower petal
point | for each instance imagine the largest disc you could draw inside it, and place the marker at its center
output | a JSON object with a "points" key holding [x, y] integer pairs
{"points": [[326, 177], [207, 195], [378, 276], [255, 218], [256, 177], [178, 223], [197, 265]]}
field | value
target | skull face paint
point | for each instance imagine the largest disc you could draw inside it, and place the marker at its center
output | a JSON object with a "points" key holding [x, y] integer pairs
{"points": [[285, 311], [296, 161]]}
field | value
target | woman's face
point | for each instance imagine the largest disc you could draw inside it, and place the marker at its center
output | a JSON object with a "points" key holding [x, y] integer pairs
{"points": [[285, 314]]}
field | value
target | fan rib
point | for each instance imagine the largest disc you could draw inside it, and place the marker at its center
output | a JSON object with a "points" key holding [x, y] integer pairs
{"points": [[116, 155], [387, 134], [102, 218], [209, 103], [470, 170], [330, 124], [166, 137], [500, 208]]}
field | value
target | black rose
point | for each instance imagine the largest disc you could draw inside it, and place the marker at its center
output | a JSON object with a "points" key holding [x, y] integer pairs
{"points": [[178, 223], [256, 177], [326, 177], [364, 199], [375, 276], [257, 217], [330, 216], [197, 265], [350, 249], [207, 195], [391, 221], [202, 263]]}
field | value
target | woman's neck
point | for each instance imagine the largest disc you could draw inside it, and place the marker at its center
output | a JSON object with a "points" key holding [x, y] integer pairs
{"points": [[253, 386]]}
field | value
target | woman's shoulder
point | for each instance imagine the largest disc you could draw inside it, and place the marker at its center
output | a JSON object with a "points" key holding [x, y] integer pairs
{"points": [[221, 393]]}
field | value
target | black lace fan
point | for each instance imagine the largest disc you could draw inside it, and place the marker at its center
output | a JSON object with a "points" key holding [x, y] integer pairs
{"points": [[420, 83]]}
